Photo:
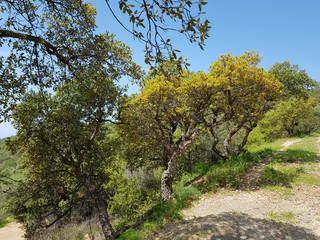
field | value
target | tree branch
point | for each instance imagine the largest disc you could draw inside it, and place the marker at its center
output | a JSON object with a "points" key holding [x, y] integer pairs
{"points": [[51, 49]]}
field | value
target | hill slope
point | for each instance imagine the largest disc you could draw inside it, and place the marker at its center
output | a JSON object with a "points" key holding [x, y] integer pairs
{"points": [[285, 205]]}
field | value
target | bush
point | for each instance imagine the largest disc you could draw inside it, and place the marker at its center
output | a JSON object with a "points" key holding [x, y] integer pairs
{"points": [[131, 234], [200, 168]]}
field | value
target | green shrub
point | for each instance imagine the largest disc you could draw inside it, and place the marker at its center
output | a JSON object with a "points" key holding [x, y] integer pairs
{"points": [[131, 234], [200, 168], [148, 226]]}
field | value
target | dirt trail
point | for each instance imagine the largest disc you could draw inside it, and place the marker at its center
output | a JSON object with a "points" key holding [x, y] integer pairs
{"points": [[12, 231], [238, 214], [290, 142], [249, 181]]}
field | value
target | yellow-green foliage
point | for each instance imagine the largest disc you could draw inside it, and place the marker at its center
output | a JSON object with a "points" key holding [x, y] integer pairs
{"points": [[171, 107], [243, 87], [289, 117]]}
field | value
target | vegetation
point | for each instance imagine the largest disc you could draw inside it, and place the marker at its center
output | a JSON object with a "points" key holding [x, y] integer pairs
{"points": [[281, 217], [173, 111], [295, 82], [88, 153], [9, 170]]}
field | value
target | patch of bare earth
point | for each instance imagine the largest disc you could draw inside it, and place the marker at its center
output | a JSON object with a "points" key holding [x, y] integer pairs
{"points": [[12, 231], [242, 214]]}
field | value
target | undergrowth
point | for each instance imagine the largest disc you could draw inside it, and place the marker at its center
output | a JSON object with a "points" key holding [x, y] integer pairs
{"points": [[203, 178]]}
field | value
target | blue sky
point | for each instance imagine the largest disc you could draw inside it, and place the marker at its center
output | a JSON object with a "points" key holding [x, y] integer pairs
{"points": [[281, 30]]}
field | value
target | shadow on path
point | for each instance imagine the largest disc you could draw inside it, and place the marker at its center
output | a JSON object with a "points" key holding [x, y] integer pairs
{"points": [[233, 226]]}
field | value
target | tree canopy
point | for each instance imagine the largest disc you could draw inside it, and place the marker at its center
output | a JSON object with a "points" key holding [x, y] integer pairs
{"points": [[245, 92], [174, 110], [64, 139], [296, 82]]}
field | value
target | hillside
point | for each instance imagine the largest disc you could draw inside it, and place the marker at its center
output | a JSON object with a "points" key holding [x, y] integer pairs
{"points": [[8, 165], [278, 198], [283, 205], [7, 161]]}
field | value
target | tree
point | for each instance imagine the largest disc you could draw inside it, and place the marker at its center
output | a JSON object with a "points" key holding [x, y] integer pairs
{"points": [[49, 38], [170, 112], [287, 116], [174, 109], [64, 140], [246, 92], [50, 41], [152, 19], [296, 82]]}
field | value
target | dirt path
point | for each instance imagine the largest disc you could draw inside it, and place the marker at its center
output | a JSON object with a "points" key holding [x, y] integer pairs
{"points": [[238, 214], [249, 181], [12, 231], [290, 142]]}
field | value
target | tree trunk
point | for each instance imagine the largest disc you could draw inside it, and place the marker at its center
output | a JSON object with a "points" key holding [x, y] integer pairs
{"points": [[172, 169], [245, 139], [102, 207], [227, 142], [168, 177]]}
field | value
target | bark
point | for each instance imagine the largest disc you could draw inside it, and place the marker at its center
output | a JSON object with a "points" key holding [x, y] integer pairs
{"points": [[102, 207], [215, 143], [245, 139], [168, 177], [51, 49], [169, 174], [226, 143]]}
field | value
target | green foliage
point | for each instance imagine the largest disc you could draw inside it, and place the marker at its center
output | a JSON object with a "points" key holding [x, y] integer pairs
{"points": [[173, 111], [200, 168], [10, 171], [131, 201], [165, 16], [290, 117], [296, 82], [5, 220], [7, 160], [131, 234], [245, 92], [67, 144], [256, 138]]}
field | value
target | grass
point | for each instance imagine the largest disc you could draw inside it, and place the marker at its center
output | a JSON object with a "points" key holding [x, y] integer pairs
{"points": [[223, 174], [5, 221], [227, 173], [281, 216], [163, 212], [296, 155], [282, 191], [274, 146], [308, 179], [290, 168]]}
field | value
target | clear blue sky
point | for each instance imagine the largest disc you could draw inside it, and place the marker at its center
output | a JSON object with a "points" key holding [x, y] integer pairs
{"points": [[281, 30]]}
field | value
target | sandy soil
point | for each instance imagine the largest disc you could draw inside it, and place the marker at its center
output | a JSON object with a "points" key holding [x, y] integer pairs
{"points": [[12, 231]]}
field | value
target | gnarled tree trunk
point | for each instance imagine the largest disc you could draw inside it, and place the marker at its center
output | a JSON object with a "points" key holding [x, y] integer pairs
{"points": [[168, 177]]}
